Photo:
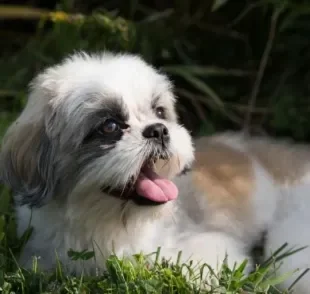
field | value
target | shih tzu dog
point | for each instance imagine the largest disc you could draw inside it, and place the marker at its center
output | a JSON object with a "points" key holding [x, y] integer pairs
{"points": [[98, 161]]}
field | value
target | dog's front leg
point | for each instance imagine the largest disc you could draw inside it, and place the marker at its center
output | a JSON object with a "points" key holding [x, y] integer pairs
{"points": [[211, 250]]}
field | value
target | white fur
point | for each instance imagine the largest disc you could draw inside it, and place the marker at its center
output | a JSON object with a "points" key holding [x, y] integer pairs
{"points": [[291, 226]]}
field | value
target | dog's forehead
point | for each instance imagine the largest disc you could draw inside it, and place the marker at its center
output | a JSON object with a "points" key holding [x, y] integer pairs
{"points": [[135, 84], [126, 77], [83, 83]]}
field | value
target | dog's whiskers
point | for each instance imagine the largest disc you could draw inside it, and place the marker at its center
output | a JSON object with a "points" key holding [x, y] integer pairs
{"points": [[178, 162]]}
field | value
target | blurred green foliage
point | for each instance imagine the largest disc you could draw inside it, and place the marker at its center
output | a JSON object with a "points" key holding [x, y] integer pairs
{"points": [[235, 64]]}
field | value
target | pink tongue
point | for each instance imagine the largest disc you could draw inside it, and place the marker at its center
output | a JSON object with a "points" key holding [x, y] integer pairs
{"points": [[150, 185]]}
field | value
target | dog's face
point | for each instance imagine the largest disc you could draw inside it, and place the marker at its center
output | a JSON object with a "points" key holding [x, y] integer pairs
{"points": [[104, 123]]}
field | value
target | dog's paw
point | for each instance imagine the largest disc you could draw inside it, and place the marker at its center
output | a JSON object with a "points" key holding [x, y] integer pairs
{"points": [[213, 254]]}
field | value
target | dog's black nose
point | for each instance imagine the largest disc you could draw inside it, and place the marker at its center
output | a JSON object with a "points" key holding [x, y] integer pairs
{"points": [[158, 132]]}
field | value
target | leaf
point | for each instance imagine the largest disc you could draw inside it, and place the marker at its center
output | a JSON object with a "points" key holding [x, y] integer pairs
{"points": [[204, 88], [80, 255], [217, 4], [277, 280]]}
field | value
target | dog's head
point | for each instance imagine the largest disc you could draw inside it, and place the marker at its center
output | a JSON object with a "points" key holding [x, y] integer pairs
{"points": [[104, 123]]}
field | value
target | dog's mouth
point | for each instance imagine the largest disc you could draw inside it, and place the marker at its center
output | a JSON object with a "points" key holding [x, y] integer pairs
{"points": [[148, 188]]}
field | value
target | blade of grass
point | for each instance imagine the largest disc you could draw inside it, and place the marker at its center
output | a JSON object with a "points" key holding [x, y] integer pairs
{"points": [[21, 12], [203, 87]]}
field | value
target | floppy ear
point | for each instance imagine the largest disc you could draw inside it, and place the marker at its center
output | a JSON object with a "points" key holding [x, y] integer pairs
{"points": [[27, 163]]}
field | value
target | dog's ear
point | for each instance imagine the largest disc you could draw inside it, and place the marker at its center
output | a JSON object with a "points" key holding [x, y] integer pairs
{"points": [[27, 163], [28, 155]]}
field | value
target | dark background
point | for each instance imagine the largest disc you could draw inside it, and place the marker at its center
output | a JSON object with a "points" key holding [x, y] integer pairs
{"points": [[236, 64]]}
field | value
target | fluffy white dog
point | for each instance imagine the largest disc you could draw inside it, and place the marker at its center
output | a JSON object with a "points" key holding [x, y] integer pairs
{"points": [[91, 159]]}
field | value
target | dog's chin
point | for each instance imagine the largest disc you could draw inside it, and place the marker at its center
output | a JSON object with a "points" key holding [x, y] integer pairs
{"points": [[133, 192]]}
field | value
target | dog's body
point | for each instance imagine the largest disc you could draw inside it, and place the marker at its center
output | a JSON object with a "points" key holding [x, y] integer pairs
{"points": [[91, 134]]}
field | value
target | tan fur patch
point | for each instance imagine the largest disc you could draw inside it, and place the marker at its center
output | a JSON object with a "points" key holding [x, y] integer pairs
{"points": [[286, 163], [225, 175], [168, 169]]}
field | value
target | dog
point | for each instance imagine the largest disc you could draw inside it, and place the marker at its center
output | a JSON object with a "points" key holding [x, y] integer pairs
{"points": [[97, 160]]}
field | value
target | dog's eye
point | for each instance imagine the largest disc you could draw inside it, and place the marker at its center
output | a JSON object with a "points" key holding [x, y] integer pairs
{"points": [[109, 126], [160, 112]]}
